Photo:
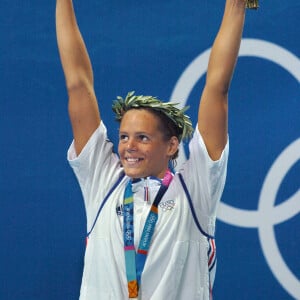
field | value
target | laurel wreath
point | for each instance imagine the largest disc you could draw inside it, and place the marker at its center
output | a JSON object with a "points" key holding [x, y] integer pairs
{"points": [[178, 116]]}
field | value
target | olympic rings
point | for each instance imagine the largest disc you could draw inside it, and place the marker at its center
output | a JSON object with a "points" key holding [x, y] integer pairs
{"points": [[267, 214]]}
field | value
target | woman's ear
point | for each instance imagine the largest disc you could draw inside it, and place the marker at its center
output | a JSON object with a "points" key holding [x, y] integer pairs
{"points": [[173, 146]]}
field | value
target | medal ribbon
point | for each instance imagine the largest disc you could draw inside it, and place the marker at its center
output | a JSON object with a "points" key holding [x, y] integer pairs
{"points": [[135, 262]]}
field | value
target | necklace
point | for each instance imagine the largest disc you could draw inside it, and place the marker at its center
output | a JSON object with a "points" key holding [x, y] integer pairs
{"points": [[135, 261]]}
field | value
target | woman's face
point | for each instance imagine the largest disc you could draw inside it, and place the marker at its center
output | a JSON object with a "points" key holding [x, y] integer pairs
{"points": [[142, 148]]}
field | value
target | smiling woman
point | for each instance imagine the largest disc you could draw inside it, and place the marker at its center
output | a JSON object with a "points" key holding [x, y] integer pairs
{"points": [[136, 249], [143, 149]]}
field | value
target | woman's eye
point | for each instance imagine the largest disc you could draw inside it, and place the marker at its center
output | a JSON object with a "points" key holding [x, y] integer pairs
{"points": [[123, 138], [143, 138]]}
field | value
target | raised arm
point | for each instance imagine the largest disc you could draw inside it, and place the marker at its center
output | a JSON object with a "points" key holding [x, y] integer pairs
{"points": [[213, 108], [83, 107]]}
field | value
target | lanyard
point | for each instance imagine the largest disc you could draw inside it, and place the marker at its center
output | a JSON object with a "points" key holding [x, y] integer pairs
{"points": [[135, 262]]}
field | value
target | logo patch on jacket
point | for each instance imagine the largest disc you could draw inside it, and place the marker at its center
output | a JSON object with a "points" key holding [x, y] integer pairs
{"points": [[167, 205]]}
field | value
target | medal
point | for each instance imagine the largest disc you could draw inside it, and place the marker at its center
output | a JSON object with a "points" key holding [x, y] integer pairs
{"points": [[252, 4]]}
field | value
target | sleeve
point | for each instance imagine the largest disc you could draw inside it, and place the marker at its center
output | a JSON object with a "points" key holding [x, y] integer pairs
{"points": [[205, 180], [96, 168]]}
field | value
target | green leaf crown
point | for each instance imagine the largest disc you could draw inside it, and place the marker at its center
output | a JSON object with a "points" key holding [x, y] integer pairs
{"points": [[132, 101]]}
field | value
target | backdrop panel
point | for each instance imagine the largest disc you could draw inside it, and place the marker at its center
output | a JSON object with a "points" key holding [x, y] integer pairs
{"points": [[159, 48]]}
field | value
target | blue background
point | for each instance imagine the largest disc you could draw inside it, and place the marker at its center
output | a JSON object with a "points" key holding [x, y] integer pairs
{"points": [[143, 46]]}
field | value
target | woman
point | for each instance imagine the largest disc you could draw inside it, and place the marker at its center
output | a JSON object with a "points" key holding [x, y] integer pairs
{"points": [[150, 232]]}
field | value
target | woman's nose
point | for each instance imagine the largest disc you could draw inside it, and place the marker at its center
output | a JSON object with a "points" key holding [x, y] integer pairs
{"points": [[131, 145]]}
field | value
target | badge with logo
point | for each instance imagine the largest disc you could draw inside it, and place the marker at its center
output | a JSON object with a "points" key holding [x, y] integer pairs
{"points": [[167, 205]]}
